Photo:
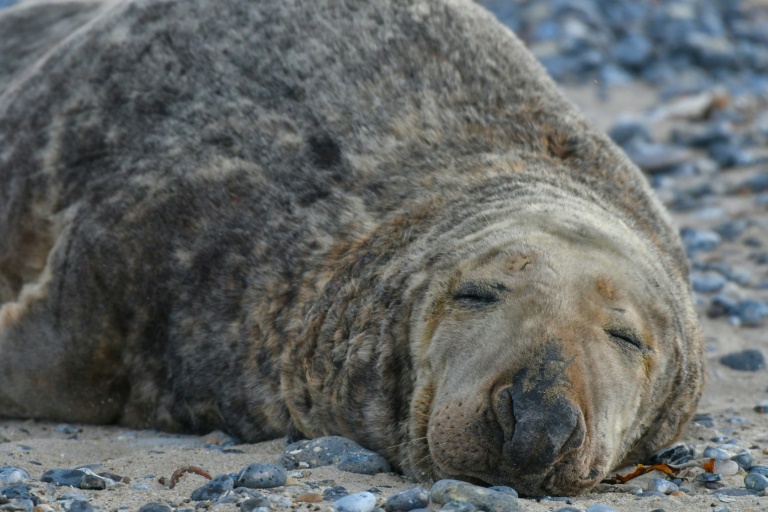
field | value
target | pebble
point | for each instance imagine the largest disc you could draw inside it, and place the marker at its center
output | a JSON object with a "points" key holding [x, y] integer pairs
{"points": [[750, 360], [707, 282], [661, 485], [654, 157], [699, 240], [261, 504], [676, 454], [418, 497], [708, 477], [759, 469], [80, 506], [141, 487], [335, 492], [343, 453], [503, 489], [755, 481], [751, 313], [11, 475], [458, 506], [716, 453], [601, 508], [358, 502], [444, 491], [651, 494], [215, 488], [155, 507], [261, 475], [82, 478], [726, 467], [744, 459]]}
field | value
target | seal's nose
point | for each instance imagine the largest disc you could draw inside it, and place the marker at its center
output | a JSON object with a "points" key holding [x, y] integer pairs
{"points": [[537, 426]]}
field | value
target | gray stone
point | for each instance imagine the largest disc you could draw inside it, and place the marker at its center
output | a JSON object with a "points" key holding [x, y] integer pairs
{"points": [[444, 491], [755, 481], [358, 502], [749, 360], [11, 475], [81, 506], [334, 450], [155, 507], [418, 497], [711, 452], [215, 488], [707, 282], [751, 313], [261, 475], [661, 485]]}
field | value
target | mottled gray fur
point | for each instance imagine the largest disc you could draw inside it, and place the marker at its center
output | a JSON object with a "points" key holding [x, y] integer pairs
{"points": [[232, 214]]}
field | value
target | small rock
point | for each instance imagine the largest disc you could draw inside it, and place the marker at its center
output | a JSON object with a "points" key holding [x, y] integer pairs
{"points": [[11, 475], [358, 502], [721, 305], [716, 453], [81, 506], [255, 502], [504, 489], [458, 506], [215, 488], [722, 508], [627, 132], [751, 313], [141, 487], [261, 475], [726, 467], [418, 497], [708, 477], [72, 496], [729, 155], [675, 454], [341, 452], [601, 508], [759, 469], [70, 477], [64, 428], [651, 494], [444, 491], [335, 492], [652, 157], [661, 485], [707, 282], [255, 505], [755, 481], [744, 459], [749, 360], [699, 240], [155, 507]]}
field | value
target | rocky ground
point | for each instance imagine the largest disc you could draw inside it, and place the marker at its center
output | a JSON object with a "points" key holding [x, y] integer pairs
{"points": [[681, 85]]}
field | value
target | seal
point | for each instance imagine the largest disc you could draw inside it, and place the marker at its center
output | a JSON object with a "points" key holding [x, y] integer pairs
{"points": [[380, 220]]}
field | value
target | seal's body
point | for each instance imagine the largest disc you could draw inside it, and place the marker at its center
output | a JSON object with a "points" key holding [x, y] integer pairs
{"points": [[374, 219]]}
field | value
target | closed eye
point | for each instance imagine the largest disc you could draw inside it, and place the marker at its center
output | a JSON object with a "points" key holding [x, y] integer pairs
{"points": [[626, 336], [474, 295]]}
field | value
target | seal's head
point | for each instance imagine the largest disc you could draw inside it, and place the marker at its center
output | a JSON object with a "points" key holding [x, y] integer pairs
{"points": [[562, 348]]}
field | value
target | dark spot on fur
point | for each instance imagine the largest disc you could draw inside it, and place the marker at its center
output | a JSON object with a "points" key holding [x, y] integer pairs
{"points": [[560, 146], [326, 152]]}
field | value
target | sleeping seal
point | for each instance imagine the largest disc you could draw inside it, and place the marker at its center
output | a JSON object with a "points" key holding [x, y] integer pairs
{"points": [[373, 219]]}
